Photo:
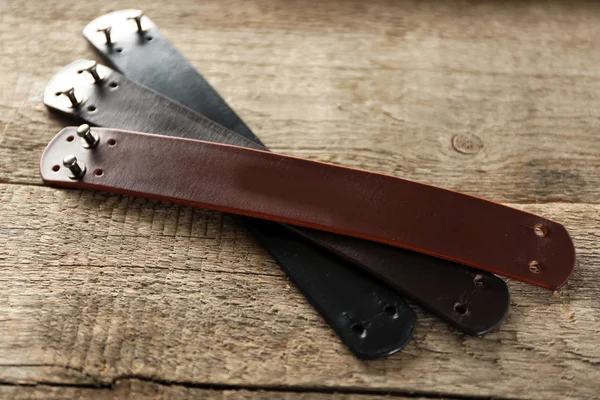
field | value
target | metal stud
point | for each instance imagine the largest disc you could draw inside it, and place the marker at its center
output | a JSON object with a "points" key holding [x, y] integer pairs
{"points": [[92, 69], [535, 267], [77, 168], [70, 93], [138, 20], [106, 31], [540, 230], [89, 139]]}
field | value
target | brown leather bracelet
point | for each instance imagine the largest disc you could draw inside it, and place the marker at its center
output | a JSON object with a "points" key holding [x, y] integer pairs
{"points": [[346, 201]]}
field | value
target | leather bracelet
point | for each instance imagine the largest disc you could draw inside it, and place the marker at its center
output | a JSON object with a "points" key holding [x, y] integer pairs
{"points": [[470, 300], [320, 196]]}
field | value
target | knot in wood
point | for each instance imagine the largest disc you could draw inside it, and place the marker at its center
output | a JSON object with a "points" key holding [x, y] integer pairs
{"points": [[467, 143]]}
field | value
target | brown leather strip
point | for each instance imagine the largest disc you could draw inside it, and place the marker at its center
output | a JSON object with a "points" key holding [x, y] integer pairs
{"points": [[346, 201]]}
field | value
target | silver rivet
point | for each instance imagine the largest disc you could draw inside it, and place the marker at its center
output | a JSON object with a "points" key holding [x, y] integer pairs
{"points": [[92, 69], [89, 139], [535, 267], [138, 20], [70, 93], [77, 168], [106, 31], [540, 230]]}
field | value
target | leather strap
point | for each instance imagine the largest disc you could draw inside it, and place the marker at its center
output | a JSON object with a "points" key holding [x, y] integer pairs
{"points": [[321, 196], [485, 304]]}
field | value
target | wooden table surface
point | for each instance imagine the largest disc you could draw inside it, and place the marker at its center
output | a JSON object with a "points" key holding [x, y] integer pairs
{"points": [[106, 296]]}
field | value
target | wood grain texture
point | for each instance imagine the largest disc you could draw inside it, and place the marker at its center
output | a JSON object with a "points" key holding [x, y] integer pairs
{"points": [[497, 99], [136, 389], [100, 287], [472, 97]]}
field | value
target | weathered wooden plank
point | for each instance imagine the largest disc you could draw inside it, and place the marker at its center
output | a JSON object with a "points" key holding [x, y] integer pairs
{"points": [[136, 389], [498, 100], [98, 287]]}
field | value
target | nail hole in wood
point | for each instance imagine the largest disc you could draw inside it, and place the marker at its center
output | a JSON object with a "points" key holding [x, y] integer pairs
{"points": [[98, 172]]}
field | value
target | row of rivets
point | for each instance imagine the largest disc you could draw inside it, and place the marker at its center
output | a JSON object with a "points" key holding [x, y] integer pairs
{"points": [[70, 93], [540, 230], [107, 29], [92, 69], [89, 140]]}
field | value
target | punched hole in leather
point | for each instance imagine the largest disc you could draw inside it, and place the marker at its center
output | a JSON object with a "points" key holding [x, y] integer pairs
{"points": [[487, 306]]}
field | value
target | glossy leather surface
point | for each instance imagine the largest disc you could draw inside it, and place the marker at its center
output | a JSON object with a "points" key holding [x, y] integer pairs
{"points": [[486, 305], [326, 197]]}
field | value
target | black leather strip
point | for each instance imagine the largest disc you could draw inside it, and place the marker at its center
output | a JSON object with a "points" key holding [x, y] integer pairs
{"points": [[472, 301]]}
